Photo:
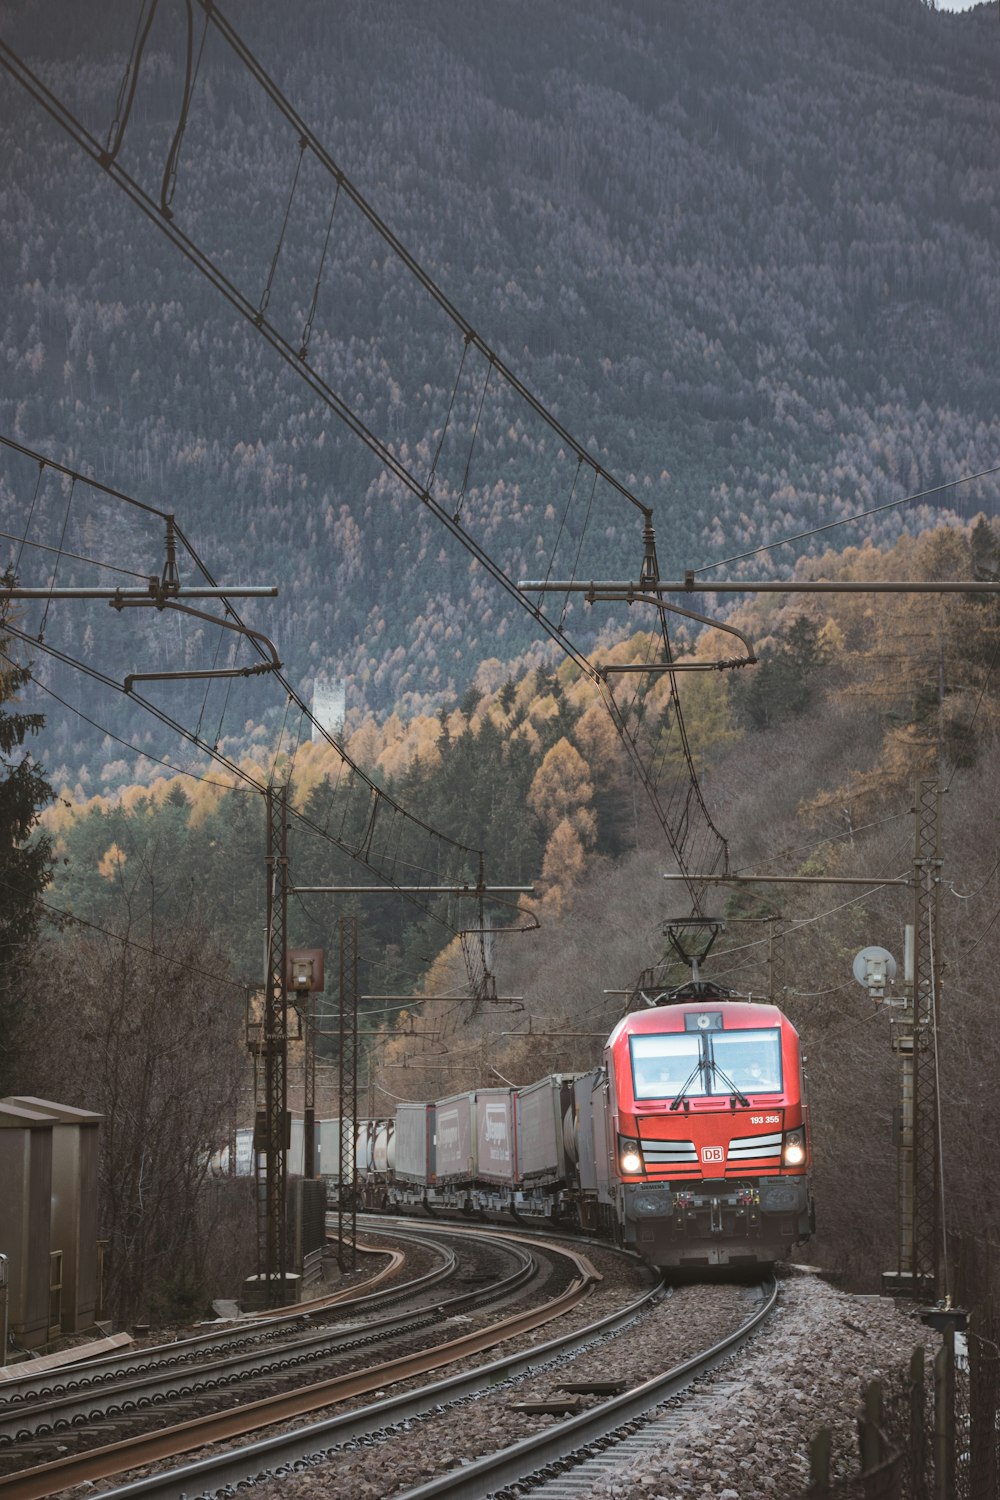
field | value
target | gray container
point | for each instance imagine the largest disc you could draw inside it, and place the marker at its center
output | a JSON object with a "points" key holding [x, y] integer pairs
{"points": [[329, 1148], [541, 1146], [496, 1141], [454, 1139], [583, 1113], [414, 1143]]}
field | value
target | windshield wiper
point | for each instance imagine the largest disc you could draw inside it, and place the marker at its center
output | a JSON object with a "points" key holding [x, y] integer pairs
{"points": [[730, 1085], [680, 1099]]}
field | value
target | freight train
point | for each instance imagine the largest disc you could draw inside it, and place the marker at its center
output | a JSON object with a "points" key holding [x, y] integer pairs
{"points": [[689, 1143]]}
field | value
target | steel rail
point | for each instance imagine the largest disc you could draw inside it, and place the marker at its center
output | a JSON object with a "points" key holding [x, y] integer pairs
{"points": [[520, 1461], [43, 1480], [311, 1305], [177, 1379], [233, 1469], [101, 1377]]}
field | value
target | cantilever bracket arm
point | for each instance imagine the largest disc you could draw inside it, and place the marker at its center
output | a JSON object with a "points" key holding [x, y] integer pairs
{"points": [[273, 665], [635, 596], [530, 922]]}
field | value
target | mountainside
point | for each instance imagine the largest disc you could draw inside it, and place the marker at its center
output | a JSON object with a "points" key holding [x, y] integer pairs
{"points": [[810, 768], [748, 254]]}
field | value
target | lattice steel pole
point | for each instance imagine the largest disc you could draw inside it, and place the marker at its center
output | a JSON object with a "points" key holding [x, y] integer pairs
{"points": [[275, 1044], [926, 1026], [347, 1201]]}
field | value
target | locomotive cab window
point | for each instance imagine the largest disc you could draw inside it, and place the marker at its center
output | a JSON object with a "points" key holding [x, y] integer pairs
{"points": [[751, 1060], [663, 1064], [697, 1064]]}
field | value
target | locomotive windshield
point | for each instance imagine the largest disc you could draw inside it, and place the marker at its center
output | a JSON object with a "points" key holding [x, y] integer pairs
{"points": [[696, 1064]]}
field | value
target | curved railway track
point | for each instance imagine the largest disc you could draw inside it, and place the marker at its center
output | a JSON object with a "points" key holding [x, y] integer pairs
{"points": [[343, 1451], [57, 1400], [554, 1463], [148, 1397]]}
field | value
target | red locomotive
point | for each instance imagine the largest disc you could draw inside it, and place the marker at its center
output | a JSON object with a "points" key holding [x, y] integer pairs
{"points": [[701, 1133]]}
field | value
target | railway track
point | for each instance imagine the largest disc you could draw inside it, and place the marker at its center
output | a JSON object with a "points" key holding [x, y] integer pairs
{"points": [[157, 1395], [439, 1426], [563, 1461], [23, 1399]]}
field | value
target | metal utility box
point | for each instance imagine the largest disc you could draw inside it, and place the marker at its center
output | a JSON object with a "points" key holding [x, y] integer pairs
{"points": [[454, 1139], [25, 1224], [74, 1225], [541, 1146], [496, 1144], [414, 1143]]}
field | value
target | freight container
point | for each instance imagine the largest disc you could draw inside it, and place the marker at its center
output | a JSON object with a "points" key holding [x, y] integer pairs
{"points": [[329, 1149], [541, 1109], [496, 1143], [583, 1111], [455, 1139], [414, 1143]]}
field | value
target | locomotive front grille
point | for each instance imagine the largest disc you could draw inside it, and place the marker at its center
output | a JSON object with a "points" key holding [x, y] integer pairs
{"points": [[669, 1153], [752, 1147]]}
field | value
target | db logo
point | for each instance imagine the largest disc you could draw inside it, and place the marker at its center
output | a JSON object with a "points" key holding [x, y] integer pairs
{"points": [[712, 1153]]}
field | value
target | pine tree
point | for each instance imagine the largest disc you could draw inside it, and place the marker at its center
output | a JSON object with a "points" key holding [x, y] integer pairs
{"points": [[25, 861]]}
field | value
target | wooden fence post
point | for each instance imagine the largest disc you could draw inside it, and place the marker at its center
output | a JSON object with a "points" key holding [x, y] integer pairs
{"points": [[871, 1423], [944, 1418], [819, 1465], [918, 1425]]}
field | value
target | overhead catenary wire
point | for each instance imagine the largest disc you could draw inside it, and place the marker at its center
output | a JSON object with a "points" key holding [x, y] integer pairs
{"points": [[31, 511], [239, 772], [134, 749], [76, 476], [157, 953], [95, 562], [795, 926], [861, 515], [59, 553], [679, 837]]}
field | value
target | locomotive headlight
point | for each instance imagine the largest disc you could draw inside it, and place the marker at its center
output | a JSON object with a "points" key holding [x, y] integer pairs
{"points": [[629, 1155], [793, 1152]]}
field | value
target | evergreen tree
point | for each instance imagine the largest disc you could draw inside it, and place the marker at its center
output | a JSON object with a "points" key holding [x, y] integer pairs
{"points": [[25, 862], [783, 684]]}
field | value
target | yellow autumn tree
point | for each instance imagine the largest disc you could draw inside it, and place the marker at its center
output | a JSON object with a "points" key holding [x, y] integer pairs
{"points": [[562, 791], [110, 864], [563, 867]]}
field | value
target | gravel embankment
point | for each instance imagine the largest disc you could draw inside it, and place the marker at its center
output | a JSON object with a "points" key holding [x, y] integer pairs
{"points": [[805, 1370], [747, 1436]]}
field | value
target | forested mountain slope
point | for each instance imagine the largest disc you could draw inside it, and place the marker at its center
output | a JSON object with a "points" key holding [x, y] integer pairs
{"points": [[748, 253], [809, 768]]}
